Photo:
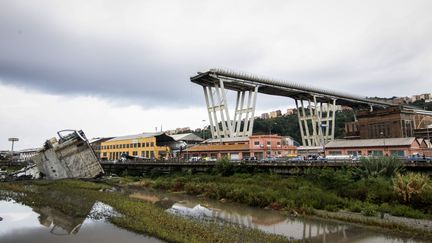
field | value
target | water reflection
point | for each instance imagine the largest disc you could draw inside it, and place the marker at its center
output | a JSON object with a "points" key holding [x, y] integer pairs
{"points": [[305, 229], [61, 223], [84, 222]]}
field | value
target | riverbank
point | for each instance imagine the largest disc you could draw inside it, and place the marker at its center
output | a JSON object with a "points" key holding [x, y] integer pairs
{"points": [[75, 197], [300, 196]]}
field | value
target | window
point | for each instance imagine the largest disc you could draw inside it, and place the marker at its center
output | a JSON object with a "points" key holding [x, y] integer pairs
{"points": [[135, 145], [397, 153], [147, 154], [268, 143], [127, 145], [135, 153], [104, 154], [335, 152], [151, 144], [147, 144], [142, 153], [117, 146], [375, 153], [139, 145], [152, 154], [353, 153], [256, 143]]}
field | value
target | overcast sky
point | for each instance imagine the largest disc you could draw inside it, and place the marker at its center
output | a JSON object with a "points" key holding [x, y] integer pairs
{"points": [[123, 67]]}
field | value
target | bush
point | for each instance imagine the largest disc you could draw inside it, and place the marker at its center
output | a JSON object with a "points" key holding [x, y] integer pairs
{"points": [[409, 185], [224, 167], [405, 211], [356, 207], [377, 190], [369, 210], [379, 166], [331, 208]]}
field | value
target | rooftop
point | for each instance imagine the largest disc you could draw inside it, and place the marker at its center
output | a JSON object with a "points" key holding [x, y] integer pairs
{"points": [[218, 147], [186, 137], [378, 142], [136, 136]]}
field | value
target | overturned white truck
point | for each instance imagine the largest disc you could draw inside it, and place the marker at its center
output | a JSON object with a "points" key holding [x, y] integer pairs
{"points": [[71, 156]]}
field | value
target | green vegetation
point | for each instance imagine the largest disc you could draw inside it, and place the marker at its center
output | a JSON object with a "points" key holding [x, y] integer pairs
{"points": [[76, 198], [423, 105], [410, 186], [373, 190], [379, 167]]}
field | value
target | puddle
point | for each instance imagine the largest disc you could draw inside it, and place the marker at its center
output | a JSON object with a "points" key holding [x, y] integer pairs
{"points": [[45, 225]]}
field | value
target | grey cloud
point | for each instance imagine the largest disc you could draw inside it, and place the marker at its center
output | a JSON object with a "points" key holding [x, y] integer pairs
{"points": [[37, 53]]}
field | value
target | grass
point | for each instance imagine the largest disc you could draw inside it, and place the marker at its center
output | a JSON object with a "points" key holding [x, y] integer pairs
{"points": [[369, 197], [75, 197]]}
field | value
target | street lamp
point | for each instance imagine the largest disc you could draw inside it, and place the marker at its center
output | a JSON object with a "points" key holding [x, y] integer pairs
{"points": [[13, 140], [427, 130], [323, 143], [270, 137], [382, 135], [203, 130]]}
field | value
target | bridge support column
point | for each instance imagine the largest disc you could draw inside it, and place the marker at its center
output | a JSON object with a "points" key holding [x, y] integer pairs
{"points": [[316, 121], [221, 126]]}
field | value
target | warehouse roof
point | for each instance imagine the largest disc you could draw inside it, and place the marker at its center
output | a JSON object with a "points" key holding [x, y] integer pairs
{"points": [[378, 142], [218, 147], [186, 137], [137, 136]]}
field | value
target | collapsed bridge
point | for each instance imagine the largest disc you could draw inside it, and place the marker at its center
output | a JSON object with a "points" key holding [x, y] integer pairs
{"points": [[316, 108]]}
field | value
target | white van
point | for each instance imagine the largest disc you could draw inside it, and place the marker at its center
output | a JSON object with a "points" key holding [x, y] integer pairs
{"points": [[339, 157]]}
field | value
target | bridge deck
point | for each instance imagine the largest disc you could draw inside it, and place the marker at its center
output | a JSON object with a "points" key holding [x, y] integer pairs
{"points": [[239, 82]]}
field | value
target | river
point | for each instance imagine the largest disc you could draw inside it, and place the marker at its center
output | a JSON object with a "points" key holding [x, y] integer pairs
{"points": [[22, 223]]}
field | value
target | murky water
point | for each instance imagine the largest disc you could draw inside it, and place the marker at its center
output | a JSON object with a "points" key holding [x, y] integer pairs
{"points": [[23, 224], [307, 229]]}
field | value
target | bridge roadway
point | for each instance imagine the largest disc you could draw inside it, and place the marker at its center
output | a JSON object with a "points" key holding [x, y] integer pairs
{"points": [[285, 168]]}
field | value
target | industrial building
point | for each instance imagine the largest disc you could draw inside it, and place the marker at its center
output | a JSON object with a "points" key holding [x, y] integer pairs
{"points": [[146, 145], [401, 147], [96, 143], [392, 122], [157, 145]]}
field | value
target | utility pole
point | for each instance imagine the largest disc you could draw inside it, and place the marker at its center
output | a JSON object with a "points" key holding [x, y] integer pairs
{"points": [[13, 140]]}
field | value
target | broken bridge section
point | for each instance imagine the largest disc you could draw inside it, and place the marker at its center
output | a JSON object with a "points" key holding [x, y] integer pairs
{"points": [[69, 157], [316, 107]]}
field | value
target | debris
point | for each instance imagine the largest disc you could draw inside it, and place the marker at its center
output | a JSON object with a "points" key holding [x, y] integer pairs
{"points": [[69, 157], [27, 173]]}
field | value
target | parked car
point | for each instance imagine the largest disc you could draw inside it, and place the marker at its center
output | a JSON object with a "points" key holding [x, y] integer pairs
{"points": [[269, 159], [253, 158], [195, 159]]}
